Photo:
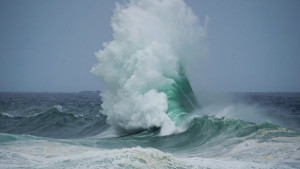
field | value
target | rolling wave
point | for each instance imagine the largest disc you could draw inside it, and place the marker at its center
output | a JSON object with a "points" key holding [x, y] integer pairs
{"points": [[53, 123]]}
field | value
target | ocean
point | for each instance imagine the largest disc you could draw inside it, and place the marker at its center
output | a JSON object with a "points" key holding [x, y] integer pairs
{"points": [[152, 113], [67, 130]]}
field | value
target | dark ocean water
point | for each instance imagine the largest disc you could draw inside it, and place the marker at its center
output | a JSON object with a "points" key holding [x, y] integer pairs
{"points": [[67, 130], [55, 115]]}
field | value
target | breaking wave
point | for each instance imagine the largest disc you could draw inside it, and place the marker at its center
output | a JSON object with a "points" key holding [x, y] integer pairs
{"points": [[145, 68]]}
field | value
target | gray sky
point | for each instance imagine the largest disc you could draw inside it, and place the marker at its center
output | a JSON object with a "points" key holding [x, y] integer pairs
{"points": [[49, 45]]}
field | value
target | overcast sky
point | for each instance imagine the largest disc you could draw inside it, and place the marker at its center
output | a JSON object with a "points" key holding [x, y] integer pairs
{"points": [[49, 45]]}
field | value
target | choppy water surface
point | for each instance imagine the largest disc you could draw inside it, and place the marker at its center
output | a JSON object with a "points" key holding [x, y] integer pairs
{"points": [[51, 130]]}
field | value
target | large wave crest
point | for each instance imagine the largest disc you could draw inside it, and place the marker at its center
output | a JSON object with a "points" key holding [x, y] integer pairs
{"points": [[144, 66]]}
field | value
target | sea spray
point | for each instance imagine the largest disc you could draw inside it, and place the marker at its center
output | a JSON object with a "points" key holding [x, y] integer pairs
{"points": [[143, 67]]}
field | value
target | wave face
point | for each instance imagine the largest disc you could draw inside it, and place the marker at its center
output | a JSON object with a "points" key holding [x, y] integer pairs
{"points": [[143, 68]]}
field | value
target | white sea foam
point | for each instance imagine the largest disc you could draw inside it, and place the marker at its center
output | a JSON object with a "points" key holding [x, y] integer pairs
{"points": [[59, 108], [6, 114], [50, 154], [152, 38]]}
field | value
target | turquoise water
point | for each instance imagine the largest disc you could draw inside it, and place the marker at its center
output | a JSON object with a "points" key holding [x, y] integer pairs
{"points": [[181, 98]]}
